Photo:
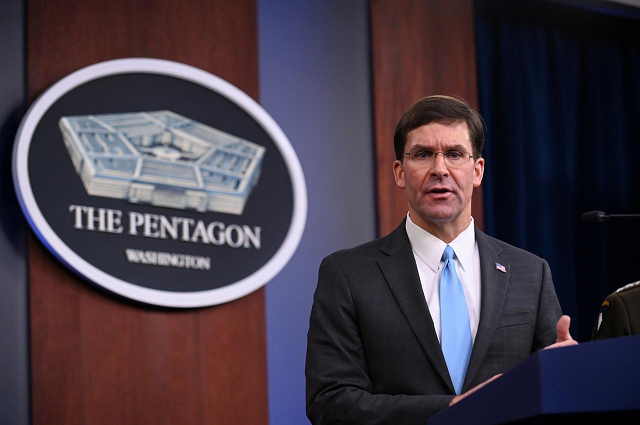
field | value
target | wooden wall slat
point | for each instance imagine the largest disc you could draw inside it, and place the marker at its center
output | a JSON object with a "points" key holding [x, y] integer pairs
{"points": [[419, 48], [219, 36], [99, 359]]}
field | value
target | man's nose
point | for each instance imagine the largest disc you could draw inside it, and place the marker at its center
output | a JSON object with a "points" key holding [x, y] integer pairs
{"points": [[439, 166]]}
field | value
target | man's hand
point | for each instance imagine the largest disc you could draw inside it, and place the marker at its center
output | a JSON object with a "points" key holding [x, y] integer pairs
{"points": [[472, 390], [564, 337]]}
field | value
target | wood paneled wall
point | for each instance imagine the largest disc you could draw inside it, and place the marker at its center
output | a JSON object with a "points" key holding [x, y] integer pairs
{"points": [[96, 358], [419, 48]]}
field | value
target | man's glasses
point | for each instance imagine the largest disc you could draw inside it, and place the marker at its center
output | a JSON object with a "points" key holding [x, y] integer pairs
{"points": [[425, 157]]}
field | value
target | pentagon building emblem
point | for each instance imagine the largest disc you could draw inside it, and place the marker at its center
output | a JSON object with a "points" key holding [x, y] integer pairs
{"points": [[162, 159], [160, 182]]}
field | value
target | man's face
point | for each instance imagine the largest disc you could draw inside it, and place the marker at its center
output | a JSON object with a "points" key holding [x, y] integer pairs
{"points": [[439, 195]]}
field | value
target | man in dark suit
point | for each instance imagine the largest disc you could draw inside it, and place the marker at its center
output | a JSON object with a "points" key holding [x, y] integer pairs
{"points": [[409, 324]]}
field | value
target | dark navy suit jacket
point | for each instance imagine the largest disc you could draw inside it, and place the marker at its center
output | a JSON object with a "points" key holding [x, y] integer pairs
{"points": [[373, 356]]}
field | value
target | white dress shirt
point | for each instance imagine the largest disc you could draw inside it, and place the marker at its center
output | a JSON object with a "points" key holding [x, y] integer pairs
{"points": [[427, 250]]}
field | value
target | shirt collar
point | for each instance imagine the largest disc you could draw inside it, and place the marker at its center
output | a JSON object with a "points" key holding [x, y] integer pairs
{"points": [[429, 248]]}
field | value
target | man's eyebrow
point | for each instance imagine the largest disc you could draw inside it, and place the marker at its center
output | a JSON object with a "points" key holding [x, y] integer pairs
{"points": [[456, 147], [422, 147]]}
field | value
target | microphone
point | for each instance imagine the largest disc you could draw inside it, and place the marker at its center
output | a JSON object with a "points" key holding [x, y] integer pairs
{"points": [[599, 216]]}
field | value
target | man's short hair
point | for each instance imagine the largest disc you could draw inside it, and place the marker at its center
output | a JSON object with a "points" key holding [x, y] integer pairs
{"points": [[441, 109]]}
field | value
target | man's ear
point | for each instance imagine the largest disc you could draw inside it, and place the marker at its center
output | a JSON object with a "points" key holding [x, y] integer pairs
{"points": [[478, 172], [398, 173]]}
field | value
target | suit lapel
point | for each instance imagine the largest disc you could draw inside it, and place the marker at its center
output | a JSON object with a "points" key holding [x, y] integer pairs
{"points": [[401, 272], [494, 289]]}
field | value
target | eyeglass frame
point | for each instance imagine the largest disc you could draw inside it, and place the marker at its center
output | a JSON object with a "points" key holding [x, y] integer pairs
{"points": [[444, 155]]}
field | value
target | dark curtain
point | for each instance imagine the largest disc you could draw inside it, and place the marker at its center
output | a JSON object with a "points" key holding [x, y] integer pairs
{"points": [[559, 90]]}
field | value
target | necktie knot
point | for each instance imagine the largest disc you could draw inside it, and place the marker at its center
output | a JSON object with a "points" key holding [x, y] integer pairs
{"points": [[448, 253]]}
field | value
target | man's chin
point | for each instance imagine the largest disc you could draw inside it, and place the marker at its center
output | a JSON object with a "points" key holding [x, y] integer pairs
{"points": [[440, 215]]}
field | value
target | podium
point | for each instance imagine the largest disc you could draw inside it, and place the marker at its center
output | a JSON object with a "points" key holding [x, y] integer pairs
{"points": [[597, 380]]}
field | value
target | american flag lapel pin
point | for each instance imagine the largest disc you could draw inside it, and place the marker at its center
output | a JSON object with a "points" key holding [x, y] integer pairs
{"points": [[500, 267]]}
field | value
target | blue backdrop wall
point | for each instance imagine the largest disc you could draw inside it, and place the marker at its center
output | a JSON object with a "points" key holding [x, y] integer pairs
{"points": [[14, 353], [314, 81]]}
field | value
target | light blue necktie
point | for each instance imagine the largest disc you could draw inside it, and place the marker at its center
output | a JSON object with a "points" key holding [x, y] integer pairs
{"points": [[455, 339]]}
